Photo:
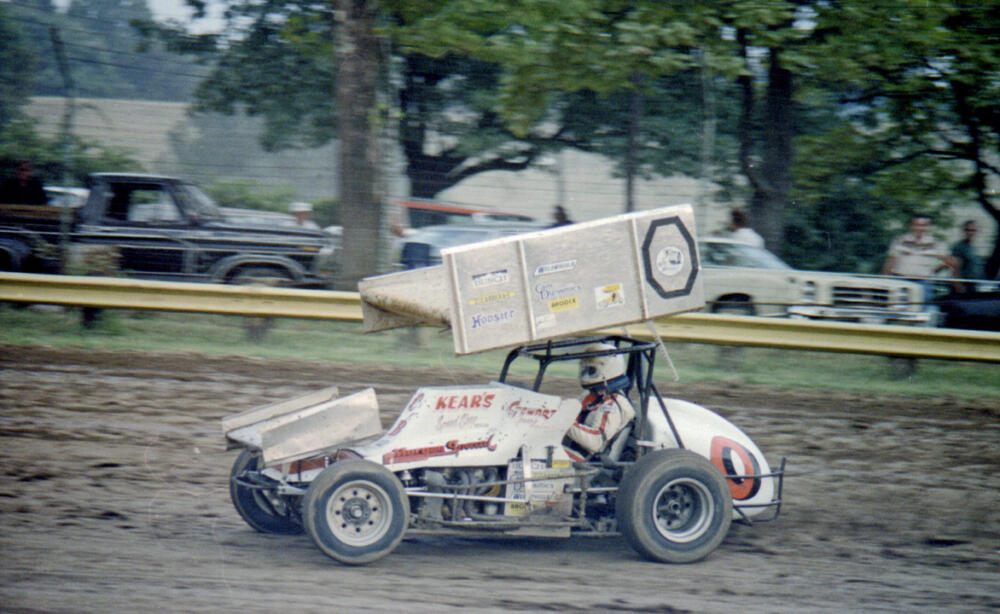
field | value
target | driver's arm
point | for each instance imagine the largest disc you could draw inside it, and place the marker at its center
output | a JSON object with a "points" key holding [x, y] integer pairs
{"points": [[602, 423]]}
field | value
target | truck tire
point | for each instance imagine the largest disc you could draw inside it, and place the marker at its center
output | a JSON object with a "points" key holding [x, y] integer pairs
{"points": [[674, 506], [356, 511], [258, 508], [261, 275]]}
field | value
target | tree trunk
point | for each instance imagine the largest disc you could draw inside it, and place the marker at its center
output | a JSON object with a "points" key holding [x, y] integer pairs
{"points": [[977, 152], [771, 177], [767, 208], [357, 58]]}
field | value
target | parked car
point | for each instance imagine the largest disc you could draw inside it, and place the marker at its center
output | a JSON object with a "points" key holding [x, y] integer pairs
{"points": [[412, 214], [971, 305], [60, 196], [423, 246], [156, 227], [744, 279], [257, 217]]}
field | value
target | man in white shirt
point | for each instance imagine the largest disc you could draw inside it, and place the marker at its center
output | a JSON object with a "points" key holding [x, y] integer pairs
{"points": [[741, 230], [917, 254]]}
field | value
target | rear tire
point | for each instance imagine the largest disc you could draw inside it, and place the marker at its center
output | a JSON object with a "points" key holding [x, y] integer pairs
{"points": [[674, 506], [260, 509], [261, 276], [356, 511]]}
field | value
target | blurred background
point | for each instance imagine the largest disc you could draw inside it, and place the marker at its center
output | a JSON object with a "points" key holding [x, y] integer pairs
{"points": [[830, 124]]}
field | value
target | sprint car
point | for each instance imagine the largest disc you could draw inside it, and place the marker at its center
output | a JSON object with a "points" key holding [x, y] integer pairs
{"points": [[491, 459]]}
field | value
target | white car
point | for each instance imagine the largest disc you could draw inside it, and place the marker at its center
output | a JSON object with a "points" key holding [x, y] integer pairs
{"points": [[743, 279]]}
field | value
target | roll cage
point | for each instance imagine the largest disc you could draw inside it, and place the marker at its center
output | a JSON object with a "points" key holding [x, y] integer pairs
{"points": [[641, 358], [640, 361]]}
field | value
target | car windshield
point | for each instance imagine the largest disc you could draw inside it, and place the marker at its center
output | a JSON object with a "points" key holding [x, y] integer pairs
{"points": [[740, 255], [198, 202]]}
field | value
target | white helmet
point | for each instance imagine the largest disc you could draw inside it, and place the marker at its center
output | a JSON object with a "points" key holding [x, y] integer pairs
{"points": [[598, 369]]}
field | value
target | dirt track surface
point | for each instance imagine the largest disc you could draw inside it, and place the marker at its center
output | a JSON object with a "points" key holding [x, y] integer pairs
{"points": [[114, 498]]}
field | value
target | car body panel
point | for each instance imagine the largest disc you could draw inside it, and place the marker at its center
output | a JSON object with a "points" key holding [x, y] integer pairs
{"points": [[160, 227], [747, 279]]}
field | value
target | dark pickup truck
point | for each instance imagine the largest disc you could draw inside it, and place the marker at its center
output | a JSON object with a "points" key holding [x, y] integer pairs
{"points": [[157, 227]]}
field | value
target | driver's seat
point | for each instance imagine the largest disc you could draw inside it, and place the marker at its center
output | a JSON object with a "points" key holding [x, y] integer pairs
{"points": [[613, 451]]}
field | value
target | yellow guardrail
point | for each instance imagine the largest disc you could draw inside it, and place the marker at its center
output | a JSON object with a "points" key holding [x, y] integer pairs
{"points": [[118, 293], [115, 293]]}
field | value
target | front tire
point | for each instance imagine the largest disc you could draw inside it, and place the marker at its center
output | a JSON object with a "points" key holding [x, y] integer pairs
{"points": [[262, 510], [674, 506], [356, 511]]}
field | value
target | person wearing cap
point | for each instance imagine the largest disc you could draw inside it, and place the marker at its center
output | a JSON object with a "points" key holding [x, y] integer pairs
{"points": [[303, 214]]}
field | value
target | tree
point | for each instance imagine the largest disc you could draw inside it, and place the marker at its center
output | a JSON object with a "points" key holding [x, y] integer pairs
{"points": [[358, 64], [53, 159], [550, 48], [919, 90], [107, 56]]}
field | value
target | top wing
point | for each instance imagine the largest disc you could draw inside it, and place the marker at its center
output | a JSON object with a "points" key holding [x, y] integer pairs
{"points": [[546, 284]]}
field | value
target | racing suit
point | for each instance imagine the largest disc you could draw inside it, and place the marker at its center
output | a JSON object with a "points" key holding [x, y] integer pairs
{"points": [[602, 417]]}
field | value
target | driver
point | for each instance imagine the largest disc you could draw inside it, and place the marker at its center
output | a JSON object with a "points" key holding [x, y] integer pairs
{"points": [[606, 408]]}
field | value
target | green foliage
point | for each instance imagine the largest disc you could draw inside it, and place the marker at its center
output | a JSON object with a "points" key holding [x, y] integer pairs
{"points": [[107, 57], [918, 90], [246, 194], [16, 70], [326, 212], [56, 161]]}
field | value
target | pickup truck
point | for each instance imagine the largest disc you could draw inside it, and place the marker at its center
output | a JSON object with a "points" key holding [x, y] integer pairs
{"points": [[158, 227]]}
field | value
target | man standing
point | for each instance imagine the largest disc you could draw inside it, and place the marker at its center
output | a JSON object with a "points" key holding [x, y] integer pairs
{"points": [[741, 230], [303, 215], [970, 265], [23, 188], [917, 254]]}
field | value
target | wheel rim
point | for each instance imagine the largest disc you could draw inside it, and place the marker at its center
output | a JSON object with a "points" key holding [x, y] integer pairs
{"points": [[683, 510], [359, 513]]}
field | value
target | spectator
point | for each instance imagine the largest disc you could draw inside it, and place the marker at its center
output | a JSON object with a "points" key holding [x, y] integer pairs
{"points": [[23, 188], [970, 265], [741, 231], [917, 254], [303, 214], [560, 217]]}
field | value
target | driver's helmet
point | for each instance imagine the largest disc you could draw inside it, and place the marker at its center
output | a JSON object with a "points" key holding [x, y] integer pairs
{"points": [[597, 370]]}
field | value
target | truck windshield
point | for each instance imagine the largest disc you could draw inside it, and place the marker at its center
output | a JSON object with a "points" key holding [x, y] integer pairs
{"points": [[199, 203]]}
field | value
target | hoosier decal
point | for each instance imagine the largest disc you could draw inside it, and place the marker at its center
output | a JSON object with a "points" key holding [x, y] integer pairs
{"points": [[481, 320]]}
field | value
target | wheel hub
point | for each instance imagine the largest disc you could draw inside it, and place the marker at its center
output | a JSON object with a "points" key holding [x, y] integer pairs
{"points": [[356, 510], [682, 510]]}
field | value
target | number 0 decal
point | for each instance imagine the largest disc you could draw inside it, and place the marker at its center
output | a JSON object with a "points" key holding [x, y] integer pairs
{"points": [[723, 450]]}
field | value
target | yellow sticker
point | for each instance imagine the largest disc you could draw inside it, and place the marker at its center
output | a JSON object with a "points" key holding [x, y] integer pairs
{"points": [[564, 304], [496, 297]]}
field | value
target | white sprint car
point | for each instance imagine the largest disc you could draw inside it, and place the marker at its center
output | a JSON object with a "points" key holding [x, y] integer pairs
{"points": [[490, 458]]}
